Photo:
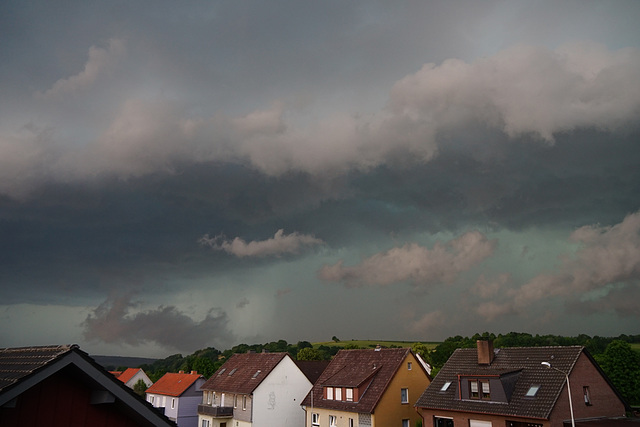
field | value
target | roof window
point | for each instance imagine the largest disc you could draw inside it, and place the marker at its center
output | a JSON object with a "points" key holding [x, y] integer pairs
{"points": [[222, 371], [445, 386], [233, 371], [257, 373], [533, 390]]}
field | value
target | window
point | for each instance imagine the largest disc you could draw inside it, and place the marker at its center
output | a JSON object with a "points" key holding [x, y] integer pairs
{"points": [[533, 390], [315, 419], [406, 423], [442, 422], [338, 393], [329, 393], [479, 389], [409, 366], [350, 422], [257, 373], [333, 421], [235, 401], [173, 403], [349, 394], [215, 399], [445, 386], [205, 423], [404, 395], [244, 403], [209, 397], [587, 395]]}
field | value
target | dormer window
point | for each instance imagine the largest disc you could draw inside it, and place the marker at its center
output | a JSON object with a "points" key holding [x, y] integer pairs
{"points": [[349, 394], [479, 389], [329, 393], [338, 393]]}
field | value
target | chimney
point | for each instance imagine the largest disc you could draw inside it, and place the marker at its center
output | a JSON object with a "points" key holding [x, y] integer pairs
{"points": [[485, 352], [194, 372], [181, 372]]}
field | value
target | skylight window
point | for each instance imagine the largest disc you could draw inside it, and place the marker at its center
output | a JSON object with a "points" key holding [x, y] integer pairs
{"points": [[233, 371], [445, 386], [257, 373], [532, 390], [222, 371]]}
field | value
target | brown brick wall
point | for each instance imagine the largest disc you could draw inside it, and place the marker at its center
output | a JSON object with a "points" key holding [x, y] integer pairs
{"points": [[604, 401]]}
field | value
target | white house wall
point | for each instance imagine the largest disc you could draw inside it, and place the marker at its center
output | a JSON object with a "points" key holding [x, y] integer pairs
{"points": [[276, 401]]}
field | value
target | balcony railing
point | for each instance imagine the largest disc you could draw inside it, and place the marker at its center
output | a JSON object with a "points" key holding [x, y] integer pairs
{"points": [[216, 411]]}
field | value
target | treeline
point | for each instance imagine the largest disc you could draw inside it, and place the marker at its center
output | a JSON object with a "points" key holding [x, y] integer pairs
{"points": [[206, 361], [595, 345]]}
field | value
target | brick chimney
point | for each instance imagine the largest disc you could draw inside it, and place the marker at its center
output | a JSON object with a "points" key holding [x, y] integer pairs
{"points": [[485, 352], [194, 372]]}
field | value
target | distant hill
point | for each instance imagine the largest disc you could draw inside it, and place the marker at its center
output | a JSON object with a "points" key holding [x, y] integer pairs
{"points": [[112, 362]]}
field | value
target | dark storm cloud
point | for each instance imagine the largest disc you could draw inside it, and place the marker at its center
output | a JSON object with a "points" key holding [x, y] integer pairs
{"points": [[167, 326]]}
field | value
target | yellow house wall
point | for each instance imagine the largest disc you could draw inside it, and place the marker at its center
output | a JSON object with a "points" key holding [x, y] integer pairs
{"points": [[390, 411], [342, 417]]}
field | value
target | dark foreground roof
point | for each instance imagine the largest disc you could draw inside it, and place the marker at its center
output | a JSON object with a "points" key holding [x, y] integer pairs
{"points": [[523, 362], [25, 367]]}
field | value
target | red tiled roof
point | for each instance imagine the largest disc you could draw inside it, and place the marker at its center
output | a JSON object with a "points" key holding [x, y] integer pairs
{"points": [[128, 374], [350, 368], [242, 373], [173, 384], [116, 373]]}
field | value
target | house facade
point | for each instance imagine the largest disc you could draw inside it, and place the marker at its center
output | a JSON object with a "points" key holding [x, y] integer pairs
{"points": [[518, 387], [62, 386], [179, 394], [254, 389], [367, 388], [131, 376]]}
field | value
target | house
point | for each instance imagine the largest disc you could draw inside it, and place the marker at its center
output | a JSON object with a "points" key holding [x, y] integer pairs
{"points": [[131, 376], [63, 386], [518, 387], [370, 387], [179, 394], [255, 389]]}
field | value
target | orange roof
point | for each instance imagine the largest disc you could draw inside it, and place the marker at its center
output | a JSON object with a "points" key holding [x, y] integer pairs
{"points": [[173, 384], [128, 374], [116, 373]]}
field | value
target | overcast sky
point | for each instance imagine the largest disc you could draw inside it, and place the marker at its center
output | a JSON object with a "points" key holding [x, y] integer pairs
{"points": [[177, 175]]}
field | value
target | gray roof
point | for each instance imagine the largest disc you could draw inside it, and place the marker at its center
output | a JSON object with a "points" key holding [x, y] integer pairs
{"points": [[17, 363], [523, 363]]}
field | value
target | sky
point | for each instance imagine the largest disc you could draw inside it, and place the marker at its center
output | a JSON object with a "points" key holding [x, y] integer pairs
{"points": [[180, 175]]}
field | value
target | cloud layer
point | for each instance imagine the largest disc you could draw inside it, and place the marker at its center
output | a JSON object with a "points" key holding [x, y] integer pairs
{"points": [[278, 245]]}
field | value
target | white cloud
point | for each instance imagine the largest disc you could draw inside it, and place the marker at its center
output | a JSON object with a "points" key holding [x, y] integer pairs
{"points": [[100, 60], [414, 263], [279, 244], [527, 90]]}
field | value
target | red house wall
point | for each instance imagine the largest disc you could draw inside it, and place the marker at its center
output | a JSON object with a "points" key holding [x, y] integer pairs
{"points": [[63, 400], [604, 402]]}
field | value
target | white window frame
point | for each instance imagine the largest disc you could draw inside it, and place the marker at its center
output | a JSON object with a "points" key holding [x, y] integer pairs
{"points": [[338, 393], [406, 422], [404, 395], [173, 403], [348, 394], [329, 393], [333, 421], [409, 366], [315, 419], [244, 402]]}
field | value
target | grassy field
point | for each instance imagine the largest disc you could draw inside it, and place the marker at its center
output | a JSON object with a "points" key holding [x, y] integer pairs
{"points": [[635, 346], [372, 343]]}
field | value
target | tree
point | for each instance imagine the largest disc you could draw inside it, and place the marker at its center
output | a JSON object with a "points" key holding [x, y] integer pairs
{"points": [[335, 339], [309, 353], [622, 365], [140, 387]]}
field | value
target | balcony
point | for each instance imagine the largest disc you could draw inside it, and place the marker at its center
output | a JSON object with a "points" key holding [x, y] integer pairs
{"points": [[216, 411]]}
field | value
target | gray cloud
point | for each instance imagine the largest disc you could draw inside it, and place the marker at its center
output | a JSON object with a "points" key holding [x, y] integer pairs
{"points": [[606, 260], [278, 245], [414, 263], [167, 326]]}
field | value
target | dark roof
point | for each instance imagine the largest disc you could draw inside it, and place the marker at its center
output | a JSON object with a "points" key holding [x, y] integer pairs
{"points": [[524, 362], [312, 369], [17, 363], [24, 367], [351, 368], [242, 373], [172, 384]]}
